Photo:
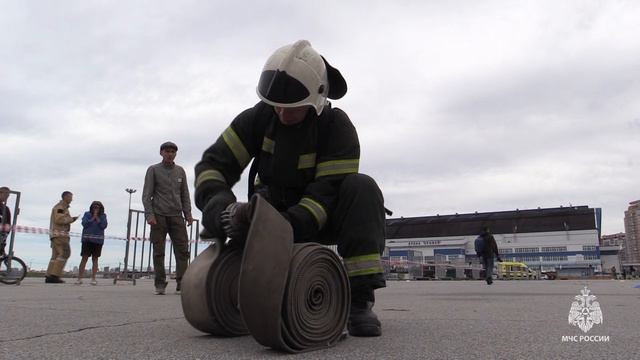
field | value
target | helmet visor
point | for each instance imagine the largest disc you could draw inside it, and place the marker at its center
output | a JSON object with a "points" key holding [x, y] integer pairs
{"points": [[279, 87]]}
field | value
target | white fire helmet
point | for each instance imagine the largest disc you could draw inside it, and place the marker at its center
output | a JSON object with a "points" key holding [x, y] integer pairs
{"points": [[296, 75]]}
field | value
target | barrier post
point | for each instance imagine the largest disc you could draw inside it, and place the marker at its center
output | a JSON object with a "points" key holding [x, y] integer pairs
{"points": [[135, 247], [16, 210], [123, 275], [144, 237], [197, 237], [126, 251]]}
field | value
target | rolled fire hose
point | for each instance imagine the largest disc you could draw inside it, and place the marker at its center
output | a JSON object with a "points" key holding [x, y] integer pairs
{"points": [[292, 298], [210, 292]]}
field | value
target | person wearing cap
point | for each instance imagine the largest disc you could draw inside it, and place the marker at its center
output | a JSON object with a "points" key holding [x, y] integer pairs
{"points": [[165, 197], [306, 157]]}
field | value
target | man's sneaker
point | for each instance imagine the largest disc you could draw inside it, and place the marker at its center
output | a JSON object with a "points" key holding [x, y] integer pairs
{"points": [[161, 288], [178, 288], [78, 282], [94, 282], [52, 279], [363, 321]]}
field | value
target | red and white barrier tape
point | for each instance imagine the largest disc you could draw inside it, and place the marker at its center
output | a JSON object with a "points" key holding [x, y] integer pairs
{"points": [[37, 230]]}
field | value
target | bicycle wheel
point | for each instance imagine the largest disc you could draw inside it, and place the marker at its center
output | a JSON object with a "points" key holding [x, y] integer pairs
{"points": [[12, 270]]}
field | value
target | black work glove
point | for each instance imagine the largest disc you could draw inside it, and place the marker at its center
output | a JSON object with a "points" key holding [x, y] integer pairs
{"points": [[236, 220], [211, 213]]}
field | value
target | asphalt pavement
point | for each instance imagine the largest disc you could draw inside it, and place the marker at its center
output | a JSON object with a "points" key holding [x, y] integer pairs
{"points": [[420, 319]]}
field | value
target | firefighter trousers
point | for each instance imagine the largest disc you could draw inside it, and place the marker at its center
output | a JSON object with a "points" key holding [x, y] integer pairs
{"points": [[60, 253], [357, 227]]}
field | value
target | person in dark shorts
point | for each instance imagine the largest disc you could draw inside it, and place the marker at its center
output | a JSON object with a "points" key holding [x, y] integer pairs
{"points": [[94, 222]]}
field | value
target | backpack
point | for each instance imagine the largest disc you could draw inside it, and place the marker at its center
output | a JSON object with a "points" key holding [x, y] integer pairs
{"points": [[479, 244]]}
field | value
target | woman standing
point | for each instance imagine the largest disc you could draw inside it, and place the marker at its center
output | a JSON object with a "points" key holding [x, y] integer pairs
{"points": [[94, 222]]}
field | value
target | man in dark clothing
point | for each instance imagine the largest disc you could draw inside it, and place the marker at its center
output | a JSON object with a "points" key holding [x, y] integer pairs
{"points": [[490, 249], [5, 217], [305, 163]]}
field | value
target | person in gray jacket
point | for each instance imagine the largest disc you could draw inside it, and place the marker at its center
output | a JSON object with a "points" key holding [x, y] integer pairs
{"points": [[166, 200]]}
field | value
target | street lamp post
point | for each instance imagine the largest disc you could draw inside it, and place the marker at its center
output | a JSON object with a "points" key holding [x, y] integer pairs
{"points": [[130, 191]]}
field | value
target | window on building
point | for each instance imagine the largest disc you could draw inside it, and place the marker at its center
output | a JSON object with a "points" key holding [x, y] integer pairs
{"points": [[588, 248], [527, 250], [554, 248], [505, 250], [555, 258], [527, 258]]}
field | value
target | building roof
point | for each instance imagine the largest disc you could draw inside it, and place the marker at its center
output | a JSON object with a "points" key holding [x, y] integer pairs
{"points": [[501, 222]]}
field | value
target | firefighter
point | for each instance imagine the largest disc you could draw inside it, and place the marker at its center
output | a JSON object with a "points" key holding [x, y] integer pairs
{"points": [[59, 227], [305, 155]]}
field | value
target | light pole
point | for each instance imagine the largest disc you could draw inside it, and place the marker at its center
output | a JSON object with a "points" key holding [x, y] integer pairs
{"points": [[130, 191]]}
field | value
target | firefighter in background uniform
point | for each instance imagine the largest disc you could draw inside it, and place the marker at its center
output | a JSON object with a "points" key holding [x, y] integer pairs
{"points": [[59, 227], [305, 163]]}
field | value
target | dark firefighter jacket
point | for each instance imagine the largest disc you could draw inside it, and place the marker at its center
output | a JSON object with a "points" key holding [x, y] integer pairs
{"points": [[299, 167]]}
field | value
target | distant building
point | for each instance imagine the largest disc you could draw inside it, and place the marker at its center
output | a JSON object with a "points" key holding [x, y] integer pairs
{"points": [[631, 246], [545, 239], [613, 240], [611, 252]]}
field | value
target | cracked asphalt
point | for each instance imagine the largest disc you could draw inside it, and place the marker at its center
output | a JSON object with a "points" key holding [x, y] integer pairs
{"points": [[421, 320]]}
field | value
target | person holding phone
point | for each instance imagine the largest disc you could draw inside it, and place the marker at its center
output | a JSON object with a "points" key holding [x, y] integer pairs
{"points": [[94, 222], [59, 227]]}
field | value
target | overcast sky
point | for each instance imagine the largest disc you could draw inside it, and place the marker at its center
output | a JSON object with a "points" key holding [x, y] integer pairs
{"points": [[461, 106]]}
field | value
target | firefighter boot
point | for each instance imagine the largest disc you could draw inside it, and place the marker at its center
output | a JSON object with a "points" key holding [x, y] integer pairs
{"points": [[58, 267], [362, 320]]}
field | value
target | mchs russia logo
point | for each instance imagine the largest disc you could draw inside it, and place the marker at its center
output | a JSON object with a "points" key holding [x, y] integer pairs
{"points": [[585, 312]]}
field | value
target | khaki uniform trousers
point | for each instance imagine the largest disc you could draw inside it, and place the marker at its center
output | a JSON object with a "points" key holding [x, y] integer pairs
{"points": [[176, 228], [60, 253]]}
